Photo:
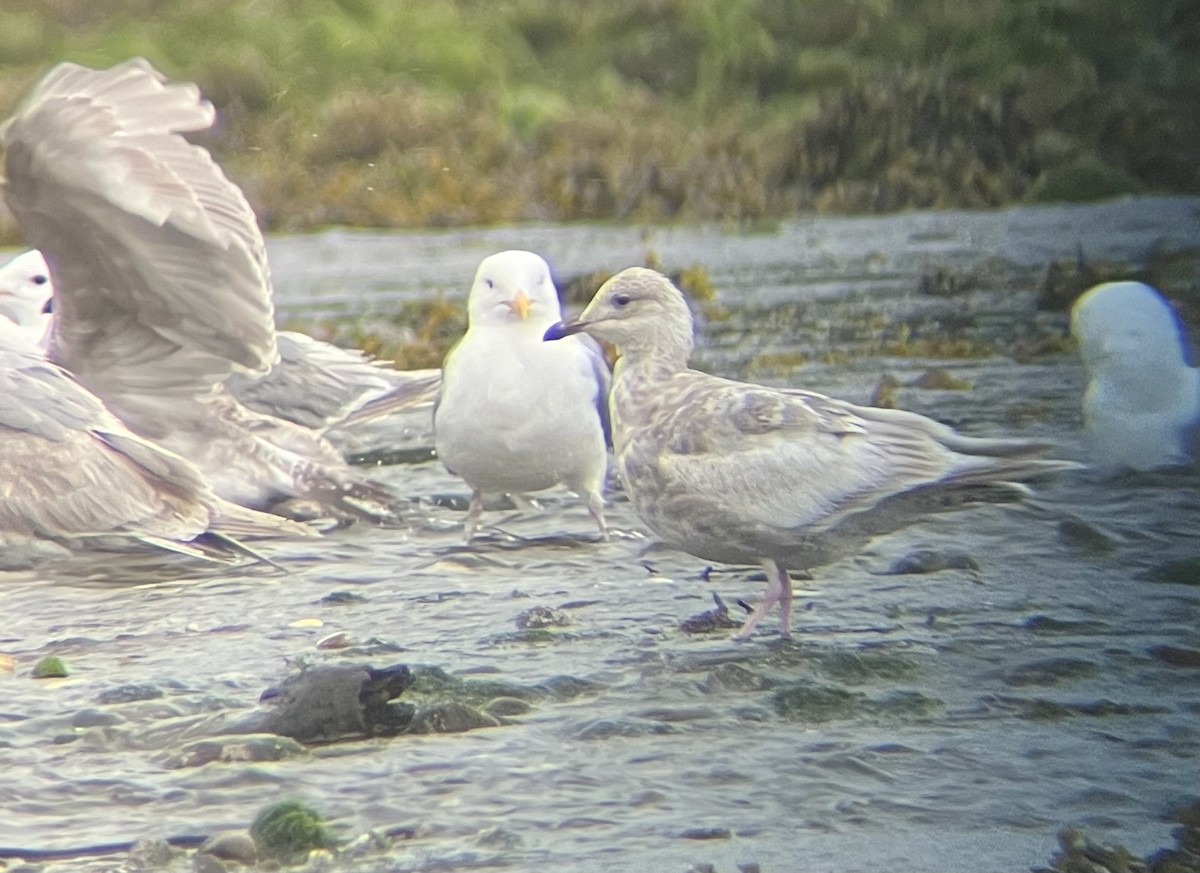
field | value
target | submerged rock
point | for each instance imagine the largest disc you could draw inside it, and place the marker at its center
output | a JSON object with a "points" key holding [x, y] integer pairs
{"points": [[712, 620], [450, 718], [541, 617], [931, 561]]}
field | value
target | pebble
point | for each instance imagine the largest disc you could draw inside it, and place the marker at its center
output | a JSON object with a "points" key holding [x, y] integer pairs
{"points": [[231, 846]]}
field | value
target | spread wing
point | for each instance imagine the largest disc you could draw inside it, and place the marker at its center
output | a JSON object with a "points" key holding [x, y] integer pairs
{"points": [[158, 265], [69, 469]]}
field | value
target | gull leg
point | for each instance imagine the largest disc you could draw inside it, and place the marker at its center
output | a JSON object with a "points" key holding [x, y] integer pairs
{"points": [[785, 603], [595, 506], [779, 590], [474, 511]]}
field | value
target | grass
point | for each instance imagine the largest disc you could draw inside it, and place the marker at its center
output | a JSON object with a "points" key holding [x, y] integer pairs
{"points": [[373, 113]]}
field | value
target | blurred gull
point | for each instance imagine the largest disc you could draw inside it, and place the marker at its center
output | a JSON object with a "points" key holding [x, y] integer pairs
{"points": [[313, 383], [71, 474], [517, 414], [1142, 401], [162, 290], [735, 472]]}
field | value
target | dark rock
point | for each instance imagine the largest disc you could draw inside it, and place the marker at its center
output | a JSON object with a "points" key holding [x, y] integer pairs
{"points": [[810, 702], [539, 617], [733, 677], [129, 694], [1185, 571], [706, 834], [1050, 671], [1176, 656], [87, 718], [450, 718], [254, 748], [335, 702], [1079, 534], [712, 620], [931, 561]]}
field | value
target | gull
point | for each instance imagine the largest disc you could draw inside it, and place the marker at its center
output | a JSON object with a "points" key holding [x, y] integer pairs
{"points": [[1142, 401], [162, 288], [25, 292], [741, 473], [314, 383], [73, 475], [516, 414]]}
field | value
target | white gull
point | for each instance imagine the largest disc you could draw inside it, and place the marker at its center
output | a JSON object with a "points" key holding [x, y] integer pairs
{"points": [[517, 414], [1142, 402]]}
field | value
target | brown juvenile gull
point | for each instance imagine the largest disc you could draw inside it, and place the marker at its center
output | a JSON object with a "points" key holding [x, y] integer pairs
{"points": [[516, 414], [72, 474], [162, 289], [741, 473]]}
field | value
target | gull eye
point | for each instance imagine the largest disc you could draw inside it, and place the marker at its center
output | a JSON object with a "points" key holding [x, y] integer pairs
{"points": [[40, 279], [489, 283], [621, 300]]}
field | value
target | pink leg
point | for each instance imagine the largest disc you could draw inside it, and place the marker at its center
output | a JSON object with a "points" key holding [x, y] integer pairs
{"points": [[779, 590], [595, 505], [474, 511]]}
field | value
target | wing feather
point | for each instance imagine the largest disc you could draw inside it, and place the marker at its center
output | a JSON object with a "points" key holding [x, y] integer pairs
{"points": [[158, 264]]}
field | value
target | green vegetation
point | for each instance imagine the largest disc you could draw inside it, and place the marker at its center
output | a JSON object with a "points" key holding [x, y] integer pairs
{"points": [[50, 667], [376, 113], [287, 831]]}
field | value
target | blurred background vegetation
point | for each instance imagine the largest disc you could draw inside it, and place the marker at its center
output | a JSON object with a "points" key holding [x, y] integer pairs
{"points": [[386, 113]]}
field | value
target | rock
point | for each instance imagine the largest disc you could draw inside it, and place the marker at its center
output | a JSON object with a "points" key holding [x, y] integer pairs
{"points": [[208, 864], [235, 749], [129, 694], [1079, 534], [1176, 656], [706, 834], [334, 702], [503, 707], [151, 854], [931, 561], [733, 677], [498, 838], [231, 846], [810, 702], [87, 718], [1050, 671], [539, 617], [713, 619], [450, 717], [1185, 571]]}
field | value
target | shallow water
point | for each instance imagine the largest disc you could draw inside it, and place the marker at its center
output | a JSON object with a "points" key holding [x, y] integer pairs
{"points": [[954, 720]]}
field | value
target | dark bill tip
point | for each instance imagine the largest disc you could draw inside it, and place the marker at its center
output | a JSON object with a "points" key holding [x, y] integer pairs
{"points": [[562, 329]]}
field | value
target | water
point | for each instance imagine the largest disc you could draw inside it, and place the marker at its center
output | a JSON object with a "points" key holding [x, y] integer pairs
{"points": [[947, 721]]}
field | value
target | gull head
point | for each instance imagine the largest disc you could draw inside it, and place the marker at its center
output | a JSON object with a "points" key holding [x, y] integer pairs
{"points": [[638, 312], [26, 290], [513, 287], [1126, 324]]}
